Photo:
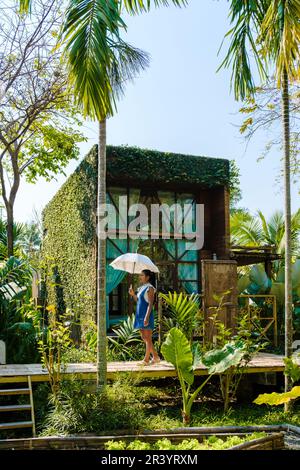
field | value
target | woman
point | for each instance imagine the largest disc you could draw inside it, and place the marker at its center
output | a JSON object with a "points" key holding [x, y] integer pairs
{"points": [[144, 318]]}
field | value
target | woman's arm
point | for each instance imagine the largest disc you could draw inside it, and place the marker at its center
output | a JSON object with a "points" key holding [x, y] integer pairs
{"points": [[150, 305]]}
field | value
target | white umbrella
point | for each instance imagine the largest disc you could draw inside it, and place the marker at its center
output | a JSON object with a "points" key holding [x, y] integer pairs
{"points": [[134, 263]]}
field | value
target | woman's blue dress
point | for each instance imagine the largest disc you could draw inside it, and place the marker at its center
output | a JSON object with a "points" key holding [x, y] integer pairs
{"points": [[141, 310]]}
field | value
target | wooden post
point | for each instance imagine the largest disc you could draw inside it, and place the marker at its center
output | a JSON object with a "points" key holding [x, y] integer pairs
{"points": [[2, 352], [218, 277]]}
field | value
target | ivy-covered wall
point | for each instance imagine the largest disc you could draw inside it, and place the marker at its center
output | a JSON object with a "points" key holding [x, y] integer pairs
{"points": [[69, 243], [69, 219], [150, 166]]}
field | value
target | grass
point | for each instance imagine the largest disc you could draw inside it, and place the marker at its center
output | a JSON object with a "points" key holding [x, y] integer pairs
{"points": [[131, 405], [213, 415]]}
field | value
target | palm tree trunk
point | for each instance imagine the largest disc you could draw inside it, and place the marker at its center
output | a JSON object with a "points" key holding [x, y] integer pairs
{"points": [[101, 263], [287, 194]]}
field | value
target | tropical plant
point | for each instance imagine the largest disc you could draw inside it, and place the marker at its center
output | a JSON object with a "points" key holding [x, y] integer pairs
{"points": [[257, 230], [245, 338], [52, 345], [257, 282], [183, 312], [80, 410], [177, 350], [270, 30], [292, 370], [26, 239], [16, 329], [127, 338]]}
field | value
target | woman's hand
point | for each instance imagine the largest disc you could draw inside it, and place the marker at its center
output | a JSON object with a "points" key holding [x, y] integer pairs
{"points": [[131, 291], [146, 320]]}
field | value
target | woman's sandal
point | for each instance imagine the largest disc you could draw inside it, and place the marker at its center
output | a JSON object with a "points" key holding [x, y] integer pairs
{"points": [[144, 363], [155, 361]]}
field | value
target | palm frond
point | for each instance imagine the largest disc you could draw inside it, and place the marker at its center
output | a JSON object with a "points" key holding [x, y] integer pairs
{"points": [[280, 37], [99, 61], [140, 6], [88, 56], [24, 6], [246, 17], [183, 311]]}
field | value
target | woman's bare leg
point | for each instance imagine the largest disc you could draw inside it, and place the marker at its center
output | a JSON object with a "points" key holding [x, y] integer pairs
{"points": [[148, 351], [149, 344]]}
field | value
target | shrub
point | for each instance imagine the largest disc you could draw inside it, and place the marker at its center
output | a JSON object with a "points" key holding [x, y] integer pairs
{"points": [[78, 410]]}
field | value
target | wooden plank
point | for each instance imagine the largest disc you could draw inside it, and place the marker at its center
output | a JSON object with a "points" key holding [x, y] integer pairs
{"points": [[14, 391], [263, 362], [31, 406], [19, 425], [15, 407]]}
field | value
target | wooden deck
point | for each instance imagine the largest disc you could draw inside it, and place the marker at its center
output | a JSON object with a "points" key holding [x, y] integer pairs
{"points": [[263, 362]]}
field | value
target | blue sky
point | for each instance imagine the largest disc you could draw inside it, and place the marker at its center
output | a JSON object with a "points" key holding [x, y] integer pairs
{"points": [[180, 104]]}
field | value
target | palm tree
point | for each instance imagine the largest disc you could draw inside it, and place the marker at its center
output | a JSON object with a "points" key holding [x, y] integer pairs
{"points": [[118, 64], [270, 30], [256, 230], [100, 63], [26, 238]]}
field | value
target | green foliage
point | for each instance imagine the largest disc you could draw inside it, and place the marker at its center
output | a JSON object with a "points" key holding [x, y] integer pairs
{"points": [[211, 443], [50, 150], [177, 350], [125, 345], [17, 326], [257, 282], [76, 355], [234, 185], [99, 61], [52, 346], [240, 344], [80, 409], [184, 312], [162, 167], [68, 251], [219, 360], [278, 398], [292, 369], [26, 239], [140, 6], [245, 18], [257, 230], [15, 277]]}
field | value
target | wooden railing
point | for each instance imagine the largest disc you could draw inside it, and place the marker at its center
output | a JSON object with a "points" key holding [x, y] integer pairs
{"points": [[269, 320]]}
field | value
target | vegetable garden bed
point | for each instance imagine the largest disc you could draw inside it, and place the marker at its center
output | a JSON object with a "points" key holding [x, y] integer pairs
{"points": [[275, 437]]}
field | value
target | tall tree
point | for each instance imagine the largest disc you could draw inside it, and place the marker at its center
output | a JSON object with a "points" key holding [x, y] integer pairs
{"points": [[100, 64], [37, 119], [270, 30]]}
